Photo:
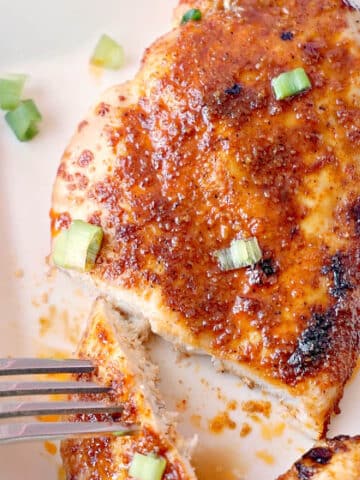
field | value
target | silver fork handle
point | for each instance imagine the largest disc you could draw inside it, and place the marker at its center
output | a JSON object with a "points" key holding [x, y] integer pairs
{"points": [[26, 366], [35, 409], [12, 389], [22, 432]]}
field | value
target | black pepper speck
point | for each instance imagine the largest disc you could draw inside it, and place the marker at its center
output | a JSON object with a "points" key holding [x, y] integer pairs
{"points": [[313, 343], [234, 90], [286, 36], [267, 267], [319, 455], [304, 472]]}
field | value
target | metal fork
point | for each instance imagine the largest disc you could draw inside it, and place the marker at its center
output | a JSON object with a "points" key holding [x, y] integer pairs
{"points": [[16, 432]]}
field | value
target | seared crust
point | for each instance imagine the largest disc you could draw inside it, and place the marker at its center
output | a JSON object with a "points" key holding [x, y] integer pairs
{"points": [[178, 163], [336, 459], [121, 364]]}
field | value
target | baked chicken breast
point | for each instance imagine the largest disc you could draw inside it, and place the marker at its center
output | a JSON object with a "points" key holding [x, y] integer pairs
{"points": [[196, 152], [121, 362], [336, 459]]}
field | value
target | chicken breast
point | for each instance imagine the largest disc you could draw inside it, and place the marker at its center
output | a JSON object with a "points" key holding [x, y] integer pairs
{"points": [[196, 152], [337, 459], [121, 362]]}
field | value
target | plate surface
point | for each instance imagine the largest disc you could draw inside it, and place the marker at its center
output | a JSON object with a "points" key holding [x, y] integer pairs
{"points": [[45, 314]]}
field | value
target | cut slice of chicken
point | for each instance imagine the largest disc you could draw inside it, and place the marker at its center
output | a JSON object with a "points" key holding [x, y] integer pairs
{"points": [[196, 152], [336, 459], [113, 345]]}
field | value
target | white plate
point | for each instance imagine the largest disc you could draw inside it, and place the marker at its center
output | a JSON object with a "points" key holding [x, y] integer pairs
{"points": [[51, 41]]}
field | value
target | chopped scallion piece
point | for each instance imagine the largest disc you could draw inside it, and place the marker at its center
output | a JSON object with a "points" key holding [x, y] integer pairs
{"points": [[147, 467], [290, 83], [11, 89], [194, 14], [108, 54], [77, 247], [242, 253], [120, 434], [24, 120]]}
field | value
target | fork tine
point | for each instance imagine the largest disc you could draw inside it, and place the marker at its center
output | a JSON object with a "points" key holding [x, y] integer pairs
{"points": [[12, 389], [18, 432], [25, 366], [30, 409]]}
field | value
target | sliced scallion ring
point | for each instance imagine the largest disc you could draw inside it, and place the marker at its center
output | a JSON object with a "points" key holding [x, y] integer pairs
{"points": [[194, 15], [290, 83], [23, 120], [147, 467], [11, 89], [108, 54], [77, 247], [240, 254]]}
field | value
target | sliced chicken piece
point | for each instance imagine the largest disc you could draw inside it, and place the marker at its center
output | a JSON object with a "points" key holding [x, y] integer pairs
{"points": [[337, 459], [196, 152], [113, 345]]}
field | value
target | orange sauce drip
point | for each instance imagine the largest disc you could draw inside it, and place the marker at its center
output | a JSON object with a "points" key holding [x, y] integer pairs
{"points": [[50, 447], [265, 456], [232, 405], [220, 422], [245, 430], [270, 431], [182, 405], [196, 420], [61, 473], [257, 406]]}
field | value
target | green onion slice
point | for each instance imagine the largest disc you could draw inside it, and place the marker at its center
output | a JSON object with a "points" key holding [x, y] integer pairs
{"points": [[242, 253], [77, 247], [11, 89], [24, 120], [147, 467], [108, 54], [193, 14], [290, 83]]}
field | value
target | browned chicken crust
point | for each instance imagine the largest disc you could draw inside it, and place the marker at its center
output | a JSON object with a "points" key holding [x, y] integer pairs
{"points": [[336, 459], [195, 152], [122, 364]]}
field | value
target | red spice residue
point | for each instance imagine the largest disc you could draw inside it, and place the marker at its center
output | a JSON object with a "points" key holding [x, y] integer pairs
{"points": [[85, 157], [82, 124], [59, 221], [95, 218], [182, 405], [102, 109]]}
